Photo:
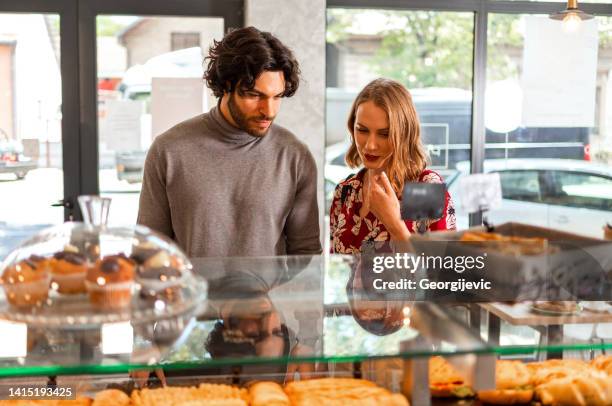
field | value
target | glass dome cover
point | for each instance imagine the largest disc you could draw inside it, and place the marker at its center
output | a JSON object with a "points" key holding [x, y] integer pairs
{"points": [[81, 275]]}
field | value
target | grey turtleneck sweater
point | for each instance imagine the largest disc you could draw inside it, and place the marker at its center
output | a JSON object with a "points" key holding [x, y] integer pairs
{"points": [[218, 191]]}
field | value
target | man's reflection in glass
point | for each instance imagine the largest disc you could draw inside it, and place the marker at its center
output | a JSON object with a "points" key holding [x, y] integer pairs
{"points": [[249, 325]]}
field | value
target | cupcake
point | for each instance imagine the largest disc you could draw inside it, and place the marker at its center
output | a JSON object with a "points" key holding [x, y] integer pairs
{"points": [[149, 256], [68, 271], [110, 281], [26, 284], [162, 283], [40, 262]]}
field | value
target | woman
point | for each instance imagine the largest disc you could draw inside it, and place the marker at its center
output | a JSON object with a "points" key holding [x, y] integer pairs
{"points": [[386, 140]]}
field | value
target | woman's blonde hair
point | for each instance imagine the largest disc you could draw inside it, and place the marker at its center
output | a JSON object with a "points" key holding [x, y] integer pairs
{"points": [[409, 157]]}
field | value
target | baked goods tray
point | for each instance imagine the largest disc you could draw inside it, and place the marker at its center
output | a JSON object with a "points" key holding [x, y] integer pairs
{"points": [[76, 312], [525, 263]]}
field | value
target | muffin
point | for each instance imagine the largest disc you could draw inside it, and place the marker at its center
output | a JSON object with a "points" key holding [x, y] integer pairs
{"points": [[41, 262], [68, 271], [149, 256], [162, 283], [110, 281], [26, 284]]}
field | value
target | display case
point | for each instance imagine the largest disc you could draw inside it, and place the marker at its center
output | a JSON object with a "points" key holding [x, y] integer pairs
{"points": [[290, 318]]}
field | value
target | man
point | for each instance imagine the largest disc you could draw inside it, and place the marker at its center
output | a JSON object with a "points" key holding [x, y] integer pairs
{"points": [[230, 182]]}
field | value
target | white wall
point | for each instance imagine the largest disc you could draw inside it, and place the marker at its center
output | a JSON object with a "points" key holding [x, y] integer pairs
{"points": [[300, 25]]}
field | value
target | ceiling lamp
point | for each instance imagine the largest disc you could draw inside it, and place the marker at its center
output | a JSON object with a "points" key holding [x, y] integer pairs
{"points": [[571, 16]]}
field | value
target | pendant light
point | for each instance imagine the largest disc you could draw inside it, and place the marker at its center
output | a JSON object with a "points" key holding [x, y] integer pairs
{"points": [[571, 16]]}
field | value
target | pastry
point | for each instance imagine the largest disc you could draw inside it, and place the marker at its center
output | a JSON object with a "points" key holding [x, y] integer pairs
{"points": [[149, 255], [68, 271], [603, 363], [557, 306], [41, 262], [547, 371], [210, 402], [513, 385], [341, 391], [111, 397], [205, 394], [159, 283], [79, 401], [576, 390], [445, 380], [26, 284], [110, 281], [268, 393]]}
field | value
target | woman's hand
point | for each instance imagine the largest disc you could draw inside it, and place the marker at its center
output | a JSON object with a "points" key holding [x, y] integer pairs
{"points": [[306, 369], [386, 207], [141, 376]]}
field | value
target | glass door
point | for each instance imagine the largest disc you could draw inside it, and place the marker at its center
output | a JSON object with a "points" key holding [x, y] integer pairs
{"points": [[38, 172], [149, 71], [147, 77]]}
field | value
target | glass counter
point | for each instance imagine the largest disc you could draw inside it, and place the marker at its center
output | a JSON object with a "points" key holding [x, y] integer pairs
{"points": [[263, 315]]}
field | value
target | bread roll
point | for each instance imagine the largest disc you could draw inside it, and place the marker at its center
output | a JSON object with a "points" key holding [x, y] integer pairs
{"points": [[268, 393], [445, 380], [512, 382], [111, 397], [506, 396], [341, 391]]}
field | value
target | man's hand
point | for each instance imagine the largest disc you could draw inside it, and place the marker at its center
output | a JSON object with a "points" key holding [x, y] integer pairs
{"points": [[386, 207]]}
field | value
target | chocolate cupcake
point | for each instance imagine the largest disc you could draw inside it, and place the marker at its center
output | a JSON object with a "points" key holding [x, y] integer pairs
{"points": [[110, 281], [149, 256], [26, 283], [162, 283], [68, 271]]}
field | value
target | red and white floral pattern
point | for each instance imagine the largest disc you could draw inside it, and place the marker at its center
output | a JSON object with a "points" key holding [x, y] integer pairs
{"points": [[348, 230]]}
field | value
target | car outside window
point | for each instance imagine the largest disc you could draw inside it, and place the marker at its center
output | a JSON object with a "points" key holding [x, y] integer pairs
{"points": [[523, 185], [339, 160], [575, 189]]}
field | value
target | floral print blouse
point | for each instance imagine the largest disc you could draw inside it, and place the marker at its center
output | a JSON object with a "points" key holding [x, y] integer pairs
{"points": [[348, 230]]}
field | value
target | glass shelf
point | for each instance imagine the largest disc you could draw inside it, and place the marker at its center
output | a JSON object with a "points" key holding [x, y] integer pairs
{"points": [[264, 313]]}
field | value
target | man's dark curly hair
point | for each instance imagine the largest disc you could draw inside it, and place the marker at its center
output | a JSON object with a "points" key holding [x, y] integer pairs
{"points": [[242, 55]]}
